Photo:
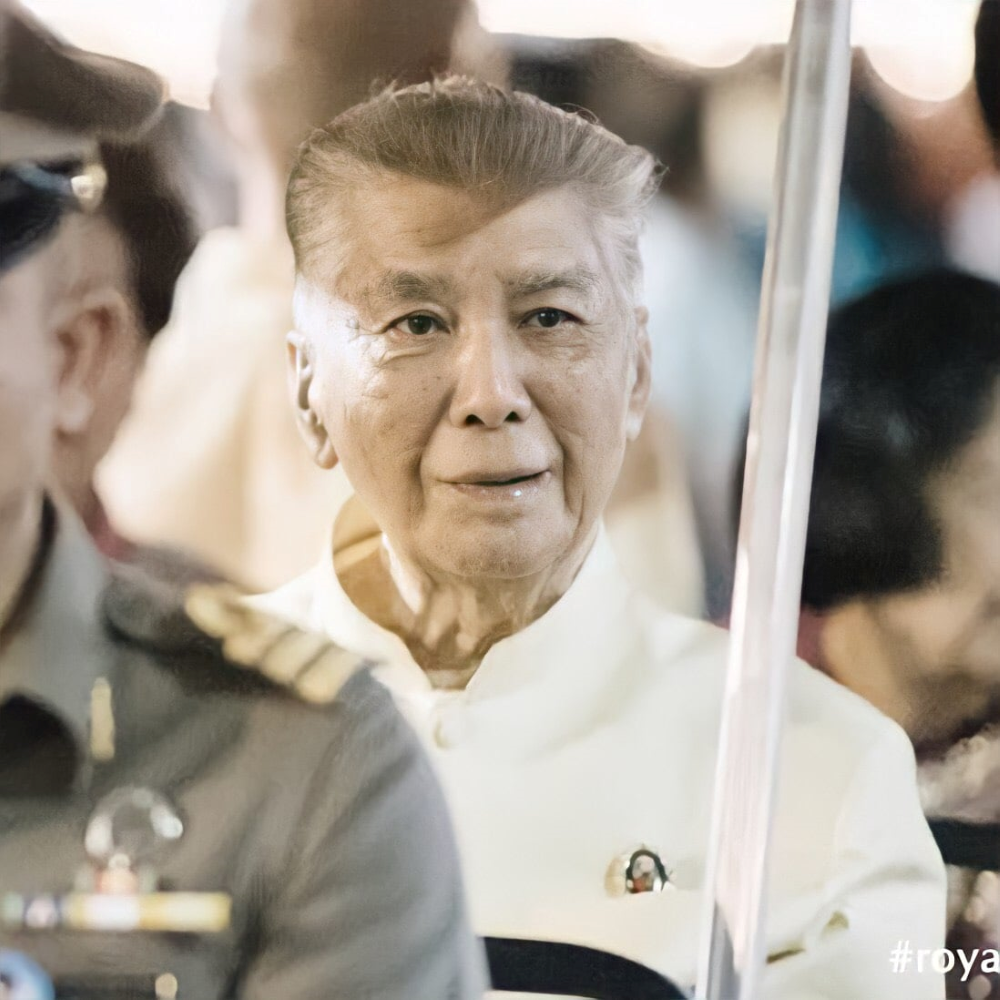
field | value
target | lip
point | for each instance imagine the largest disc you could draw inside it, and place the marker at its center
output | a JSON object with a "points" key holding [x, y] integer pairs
{"points": [[493, 478], [512, 488]]}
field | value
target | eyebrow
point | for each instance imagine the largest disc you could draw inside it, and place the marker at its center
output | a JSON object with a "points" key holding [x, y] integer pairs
{"points": [[575, 279], [404, 286], [412, 286]]}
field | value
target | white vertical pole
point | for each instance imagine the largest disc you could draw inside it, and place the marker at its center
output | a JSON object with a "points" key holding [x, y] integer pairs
{"points": [[791, 333]]}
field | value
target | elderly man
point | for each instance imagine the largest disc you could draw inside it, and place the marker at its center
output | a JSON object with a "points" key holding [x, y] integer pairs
{"points": [[470, 347], [238, 796]]}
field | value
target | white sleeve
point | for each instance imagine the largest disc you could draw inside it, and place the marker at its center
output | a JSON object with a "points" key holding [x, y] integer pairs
{"points": [[886, 891]]}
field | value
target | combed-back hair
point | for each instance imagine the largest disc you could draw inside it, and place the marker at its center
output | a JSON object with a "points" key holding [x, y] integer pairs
{"points": [[506, 146], [911, 375]]}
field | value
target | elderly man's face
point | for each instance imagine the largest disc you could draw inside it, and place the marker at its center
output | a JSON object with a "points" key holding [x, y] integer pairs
{"points": [[477, 373]]}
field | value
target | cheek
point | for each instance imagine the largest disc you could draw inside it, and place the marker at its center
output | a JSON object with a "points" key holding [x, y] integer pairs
{"points": [[586, 408], [29, 367], [27, 427], [380, 417], [933, 622]]}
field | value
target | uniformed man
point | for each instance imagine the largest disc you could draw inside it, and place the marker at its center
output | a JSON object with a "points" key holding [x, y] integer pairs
{"points": [[471, 347], [195, 801]]}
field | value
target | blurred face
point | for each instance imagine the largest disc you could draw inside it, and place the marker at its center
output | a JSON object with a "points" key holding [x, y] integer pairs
{"points": [[115, 348], [476, 371], [68, 357], [28, 378], [952, 626]]}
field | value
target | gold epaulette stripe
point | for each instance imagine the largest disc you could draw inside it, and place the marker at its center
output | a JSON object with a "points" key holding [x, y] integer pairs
{"points": [[292, 655], [215, 609], [250, 647], [322, 680], [305, 662]]}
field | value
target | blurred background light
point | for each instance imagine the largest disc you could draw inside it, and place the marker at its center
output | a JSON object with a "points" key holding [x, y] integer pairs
{"points": [[922, 48], [925, 53]]}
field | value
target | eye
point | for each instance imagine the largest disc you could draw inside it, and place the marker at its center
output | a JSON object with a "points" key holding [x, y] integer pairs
{"points": [[418, 325], [548, 318]]}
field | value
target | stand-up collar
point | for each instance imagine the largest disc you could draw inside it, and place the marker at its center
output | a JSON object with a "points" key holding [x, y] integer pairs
{"points": [[543, 681], [57, 648]]}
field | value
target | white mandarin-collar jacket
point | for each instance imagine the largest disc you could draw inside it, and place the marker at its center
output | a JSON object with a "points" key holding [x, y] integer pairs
{"points": [[593, 731]]}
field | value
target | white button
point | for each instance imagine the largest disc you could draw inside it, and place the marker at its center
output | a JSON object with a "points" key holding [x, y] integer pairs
{"points": [[450, 727]]}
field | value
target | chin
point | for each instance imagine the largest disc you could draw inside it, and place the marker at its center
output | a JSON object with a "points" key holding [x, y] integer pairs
{"points": [[501, 557]]}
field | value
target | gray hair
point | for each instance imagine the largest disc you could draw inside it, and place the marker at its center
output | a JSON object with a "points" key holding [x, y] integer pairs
{"points": [[504, 145]]}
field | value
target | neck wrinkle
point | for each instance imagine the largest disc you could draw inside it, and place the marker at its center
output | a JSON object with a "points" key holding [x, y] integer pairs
{"points": [[449, 624]]}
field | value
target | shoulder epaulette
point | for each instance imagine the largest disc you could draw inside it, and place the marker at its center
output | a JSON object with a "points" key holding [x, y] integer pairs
{"points": [[205, 627], [305, 662]]}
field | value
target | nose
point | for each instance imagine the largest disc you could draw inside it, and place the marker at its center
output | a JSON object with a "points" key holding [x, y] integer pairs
{"points": [[489, 391]]}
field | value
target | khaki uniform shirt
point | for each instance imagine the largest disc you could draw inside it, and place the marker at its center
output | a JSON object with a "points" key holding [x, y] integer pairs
{"points": [[593, 731], [322, 821]]}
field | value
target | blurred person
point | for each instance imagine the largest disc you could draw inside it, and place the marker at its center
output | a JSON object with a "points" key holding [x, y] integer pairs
{"points": [[901, 584], [270, 768], [125, 264], [702, 320], [974, 223], [209, 459], [470, 345], [903, 163]]}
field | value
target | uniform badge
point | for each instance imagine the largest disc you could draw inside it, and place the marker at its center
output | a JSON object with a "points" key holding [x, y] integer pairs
{"points": [[119, 889], [636, 871]]}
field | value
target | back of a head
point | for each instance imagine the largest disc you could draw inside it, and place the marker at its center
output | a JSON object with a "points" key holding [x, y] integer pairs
{"points": [[910, 376], [299, 63], [504, 146], [153, 222]]}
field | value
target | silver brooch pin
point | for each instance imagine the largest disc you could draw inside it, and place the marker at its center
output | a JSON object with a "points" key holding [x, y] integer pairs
{"points": [[636, 871]]}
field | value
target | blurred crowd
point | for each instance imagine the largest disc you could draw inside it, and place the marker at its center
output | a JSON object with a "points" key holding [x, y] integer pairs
{"points": [[919, 190], [191, 463]]}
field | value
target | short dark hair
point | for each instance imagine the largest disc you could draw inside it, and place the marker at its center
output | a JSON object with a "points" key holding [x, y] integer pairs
{"points": [[987, 71], [154, 222], [909, 378]]}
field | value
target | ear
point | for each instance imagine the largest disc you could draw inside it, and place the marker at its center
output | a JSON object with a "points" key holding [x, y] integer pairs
{"points": [[300, 380], [642, 362], [89, 336]]}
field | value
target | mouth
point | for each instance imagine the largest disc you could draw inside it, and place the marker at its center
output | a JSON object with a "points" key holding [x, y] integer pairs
{"points": [[507, 478], [511, 486]]}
